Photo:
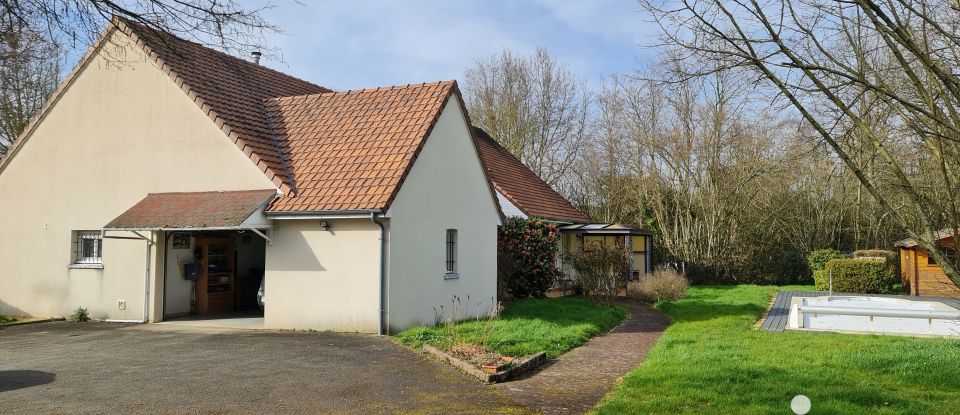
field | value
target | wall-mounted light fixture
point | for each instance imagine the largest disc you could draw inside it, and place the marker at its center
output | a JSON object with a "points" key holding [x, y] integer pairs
{"points": [[324, 225]]}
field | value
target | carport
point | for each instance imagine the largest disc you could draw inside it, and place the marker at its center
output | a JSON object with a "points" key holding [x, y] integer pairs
{"points": [[210, 251]]}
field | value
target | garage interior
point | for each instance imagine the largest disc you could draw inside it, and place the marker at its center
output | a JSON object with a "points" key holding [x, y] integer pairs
{"points": [[213, 277]]}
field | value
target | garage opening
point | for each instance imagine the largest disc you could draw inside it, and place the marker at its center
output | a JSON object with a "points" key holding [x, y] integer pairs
{"points": [[214, 249], [214, 276]]}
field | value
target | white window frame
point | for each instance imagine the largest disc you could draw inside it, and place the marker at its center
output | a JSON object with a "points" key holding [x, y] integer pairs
{"points": [[79, 238]]}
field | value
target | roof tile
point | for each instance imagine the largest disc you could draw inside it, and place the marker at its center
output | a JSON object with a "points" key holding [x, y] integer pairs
{"points": [[521, 186], [192, 210], [336, 141]]}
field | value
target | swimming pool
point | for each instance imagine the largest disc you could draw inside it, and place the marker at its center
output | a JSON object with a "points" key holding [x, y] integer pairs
{"points": [[881, 315]]}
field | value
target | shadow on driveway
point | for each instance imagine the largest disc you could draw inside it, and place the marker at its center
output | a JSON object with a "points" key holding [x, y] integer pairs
{"points": [[19, 379]]}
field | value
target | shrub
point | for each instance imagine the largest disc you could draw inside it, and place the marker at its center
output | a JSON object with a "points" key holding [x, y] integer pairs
{"points": [[857, 275], [821, 280], [80, 314], [818, 259], [527, 248], [664, 284], [602, 270]]}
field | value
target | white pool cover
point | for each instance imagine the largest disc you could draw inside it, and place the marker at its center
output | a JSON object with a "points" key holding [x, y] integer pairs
{"points": [[882, 315]]}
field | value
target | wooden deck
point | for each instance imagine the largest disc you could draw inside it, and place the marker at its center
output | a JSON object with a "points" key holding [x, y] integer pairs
{"points": [[776, 319]]}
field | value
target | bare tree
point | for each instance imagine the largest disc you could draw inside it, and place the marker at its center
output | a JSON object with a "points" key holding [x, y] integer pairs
{"points": [[34, 35], [29, 73], [534, 107], [839, 63], [225, 24]]}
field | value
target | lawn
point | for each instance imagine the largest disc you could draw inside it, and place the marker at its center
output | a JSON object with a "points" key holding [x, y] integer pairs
{"points": [[711, 360], [525, 327]]}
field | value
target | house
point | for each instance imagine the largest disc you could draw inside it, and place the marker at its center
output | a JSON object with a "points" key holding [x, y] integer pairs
{"points": [[165, 179], [920, 273], [521, 193]]}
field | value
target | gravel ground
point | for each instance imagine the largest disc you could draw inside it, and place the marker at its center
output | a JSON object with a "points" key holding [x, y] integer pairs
{"points": [[101, 368]]}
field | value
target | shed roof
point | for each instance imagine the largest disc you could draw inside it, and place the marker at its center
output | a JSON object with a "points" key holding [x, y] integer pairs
{"points": [[193, 210], [937, 236]]}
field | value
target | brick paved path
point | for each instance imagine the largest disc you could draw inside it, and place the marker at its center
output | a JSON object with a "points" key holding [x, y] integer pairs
{"points": [[573, 383]]}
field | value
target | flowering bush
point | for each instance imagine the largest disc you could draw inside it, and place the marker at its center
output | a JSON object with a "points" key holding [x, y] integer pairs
{"points": [[527, 257]]}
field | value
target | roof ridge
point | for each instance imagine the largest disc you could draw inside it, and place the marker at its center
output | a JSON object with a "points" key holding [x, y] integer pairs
{"points": [[219, 52], [209, 192], [363, 90]]}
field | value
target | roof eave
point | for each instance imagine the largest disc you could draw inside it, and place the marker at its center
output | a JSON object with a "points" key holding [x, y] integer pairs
{"points": [[323, 214]]}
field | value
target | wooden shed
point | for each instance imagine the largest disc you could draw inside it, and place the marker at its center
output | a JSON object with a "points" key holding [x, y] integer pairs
{"points": [[921, 274]]}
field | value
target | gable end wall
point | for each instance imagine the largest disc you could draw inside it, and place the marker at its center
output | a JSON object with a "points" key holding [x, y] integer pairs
{"points": [[121, 130], [446, 189]]}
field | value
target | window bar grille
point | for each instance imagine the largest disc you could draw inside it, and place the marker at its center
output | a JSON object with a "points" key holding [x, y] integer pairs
{"points": [[451, 250]]}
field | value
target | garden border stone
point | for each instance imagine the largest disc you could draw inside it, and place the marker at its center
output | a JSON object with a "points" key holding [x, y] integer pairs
{"points": [[525, 365]]}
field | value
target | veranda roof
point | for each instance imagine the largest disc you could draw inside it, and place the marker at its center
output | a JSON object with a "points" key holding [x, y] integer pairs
{"points": [[602, 229], [195, 211]]}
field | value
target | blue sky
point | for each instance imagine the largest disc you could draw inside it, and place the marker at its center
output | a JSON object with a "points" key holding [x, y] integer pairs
{"points": [[368, 43]]}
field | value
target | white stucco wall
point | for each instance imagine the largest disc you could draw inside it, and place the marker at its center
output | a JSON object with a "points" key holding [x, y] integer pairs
{"points": [[121, 130], [508, 208], [446, 189], [323, 279]]}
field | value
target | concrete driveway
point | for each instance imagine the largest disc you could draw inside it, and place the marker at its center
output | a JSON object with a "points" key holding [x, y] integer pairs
{"points": [[101, 368]]}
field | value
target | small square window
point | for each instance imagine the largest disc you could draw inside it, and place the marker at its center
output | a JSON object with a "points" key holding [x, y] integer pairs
{"points": [[87, 247]]}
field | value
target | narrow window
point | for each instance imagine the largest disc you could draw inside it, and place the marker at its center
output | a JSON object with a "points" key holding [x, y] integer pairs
{"points": [[87, 247], [451, 251]]}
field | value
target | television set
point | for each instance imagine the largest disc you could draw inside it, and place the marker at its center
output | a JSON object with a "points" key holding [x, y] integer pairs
{"points": [[192, 271]]}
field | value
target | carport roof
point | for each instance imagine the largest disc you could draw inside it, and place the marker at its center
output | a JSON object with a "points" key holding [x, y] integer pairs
{"points": [[193, 210]]}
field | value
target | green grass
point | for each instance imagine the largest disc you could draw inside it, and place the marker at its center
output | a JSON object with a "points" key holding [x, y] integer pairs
{"points": [[5, 319], [525, 327], [711, 360]]}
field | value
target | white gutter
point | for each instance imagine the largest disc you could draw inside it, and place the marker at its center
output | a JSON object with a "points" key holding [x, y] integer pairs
{"points": [[330, 216], [191, 229]]}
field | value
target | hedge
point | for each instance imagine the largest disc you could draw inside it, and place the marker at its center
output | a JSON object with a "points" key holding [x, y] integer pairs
{"points": [[819, 258], [867, 275]]}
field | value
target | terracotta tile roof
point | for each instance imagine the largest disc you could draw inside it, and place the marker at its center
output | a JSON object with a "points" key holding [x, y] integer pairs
{"points": [[230, 90], [192, 210], [351, 150], [521, 186]]}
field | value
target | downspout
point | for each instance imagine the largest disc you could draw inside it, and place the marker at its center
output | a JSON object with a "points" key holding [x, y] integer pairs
{"points": [[382, 325]]}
